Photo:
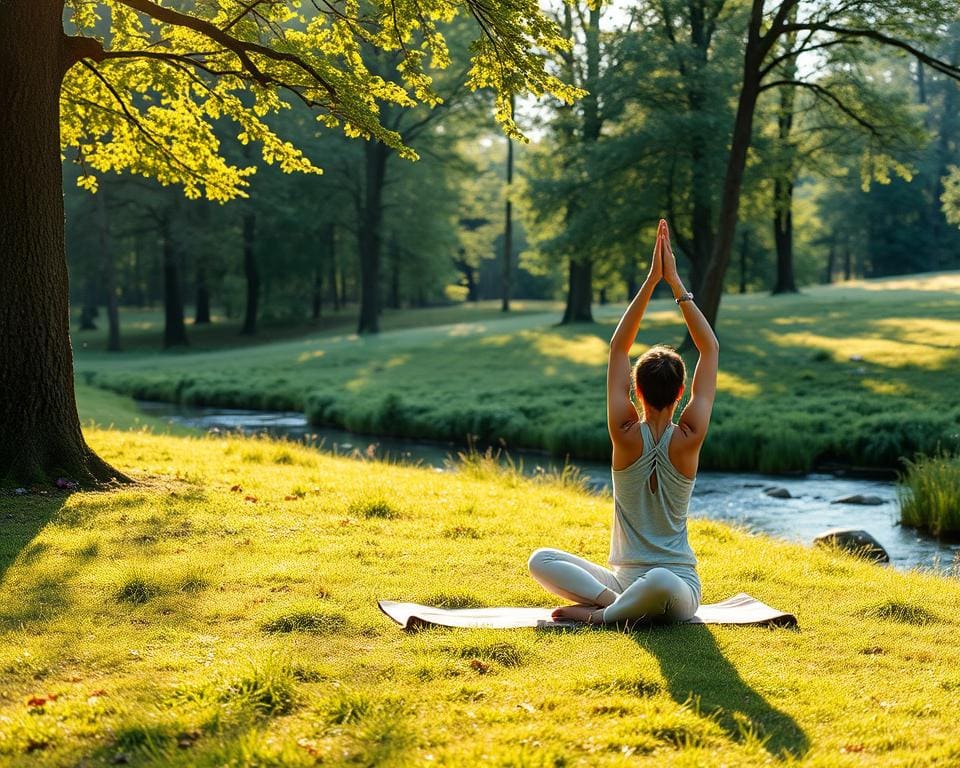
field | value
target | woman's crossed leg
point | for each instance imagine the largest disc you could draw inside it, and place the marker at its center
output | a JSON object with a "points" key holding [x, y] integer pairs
{"points": [[656, 595]]}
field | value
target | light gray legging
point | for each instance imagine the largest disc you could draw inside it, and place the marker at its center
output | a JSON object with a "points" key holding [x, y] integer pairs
{"points": [[643, 592]]}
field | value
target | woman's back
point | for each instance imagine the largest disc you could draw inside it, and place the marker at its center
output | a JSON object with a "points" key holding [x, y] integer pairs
{"points": [[651, 499]]}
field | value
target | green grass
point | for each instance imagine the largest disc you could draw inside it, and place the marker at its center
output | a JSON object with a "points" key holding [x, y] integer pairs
{"points": [[179, 623], [859, 374], [930, 495]]}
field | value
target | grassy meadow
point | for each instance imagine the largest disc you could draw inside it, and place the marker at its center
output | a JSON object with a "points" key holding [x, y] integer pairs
{"points": [[223, 612], [861, 374]]}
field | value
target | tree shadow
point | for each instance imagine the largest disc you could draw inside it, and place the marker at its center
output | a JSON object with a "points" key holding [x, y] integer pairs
{"points": [[697, 671], [21, 519]]}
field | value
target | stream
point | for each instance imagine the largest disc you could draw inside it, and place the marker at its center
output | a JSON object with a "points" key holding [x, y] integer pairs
{"points": [[731, 497]]}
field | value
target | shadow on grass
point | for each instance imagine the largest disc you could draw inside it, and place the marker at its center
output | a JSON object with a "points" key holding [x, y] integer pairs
{"points": [[21, 518], [697, 672]]}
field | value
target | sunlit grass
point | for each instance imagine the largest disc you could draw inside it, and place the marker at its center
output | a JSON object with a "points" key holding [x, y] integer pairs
{"points": [[182, 623], [860, 374]]}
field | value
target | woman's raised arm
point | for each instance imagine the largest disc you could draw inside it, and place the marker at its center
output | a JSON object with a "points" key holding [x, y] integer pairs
{"points": [[696, 416], [620, 410]]}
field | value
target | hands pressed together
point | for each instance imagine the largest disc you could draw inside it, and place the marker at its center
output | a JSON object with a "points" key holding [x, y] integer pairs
{"points": [[663, 265]]}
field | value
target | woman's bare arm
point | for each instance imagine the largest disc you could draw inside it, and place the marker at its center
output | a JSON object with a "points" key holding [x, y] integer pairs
{"points": [[695, 418], [620, 410]]}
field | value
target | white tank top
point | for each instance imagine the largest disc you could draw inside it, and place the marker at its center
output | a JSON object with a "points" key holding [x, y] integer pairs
{"points": [[650, 528]]}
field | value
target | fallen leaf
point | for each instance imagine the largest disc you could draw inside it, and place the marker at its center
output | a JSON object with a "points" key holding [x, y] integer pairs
{"points": [[251, 499], [291, 498], [236, 489], [36, 701], [480, 666]]}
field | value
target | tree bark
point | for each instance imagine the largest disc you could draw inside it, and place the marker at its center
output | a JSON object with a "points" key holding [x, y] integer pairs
{"points": [[108, 272], [251, 271], [174, 328], [317, 307], [371, 217], [40, 438]]}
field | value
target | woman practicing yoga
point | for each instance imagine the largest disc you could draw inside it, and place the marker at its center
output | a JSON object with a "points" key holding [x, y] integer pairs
{"points": [[654, 576]]}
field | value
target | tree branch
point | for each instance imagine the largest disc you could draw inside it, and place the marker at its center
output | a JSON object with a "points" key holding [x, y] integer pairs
{"points": [[819, 90], [241, 48]]}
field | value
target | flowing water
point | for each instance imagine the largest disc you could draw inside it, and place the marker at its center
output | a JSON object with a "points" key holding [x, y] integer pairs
{"points": [[731, 497]]}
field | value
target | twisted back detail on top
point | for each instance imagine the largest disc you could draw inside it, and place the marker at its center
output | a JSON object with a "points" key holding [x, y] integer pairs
{"points": [[650, 523]]}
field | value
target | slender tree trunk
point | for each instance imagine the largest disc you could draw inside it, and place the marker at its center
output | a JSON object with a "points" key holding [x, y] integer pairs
{"points": [[202, 316], [783, 185], [40, 436], [744, 250], [174, 328], [317, 307], [783, 236], [371, 217], [506, 268], [251, 271], [831, 257], [847, 261], [713, 279], [108, 272], [332, 275]]}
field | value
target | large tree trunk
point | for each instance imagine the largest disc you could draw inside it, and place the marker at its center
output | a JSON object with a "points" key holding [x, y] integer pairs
{"points": [[40, 435], [371, 216], [252, 273], [580, 292], [108, 273], [174, 328]]}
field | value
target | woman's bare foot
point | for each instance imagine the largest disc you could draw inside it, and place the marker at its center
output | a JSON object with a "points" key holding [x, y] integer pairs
{"points": [[588, 613]]}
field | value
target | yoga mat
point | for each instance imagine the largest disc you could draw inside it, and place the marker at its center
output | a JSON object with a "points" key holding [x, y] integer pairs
{"points": [[739, 609]]}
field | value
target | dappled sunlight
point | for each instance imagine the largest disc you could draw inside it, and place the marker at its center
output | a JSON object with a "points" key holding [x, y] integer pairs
{"points": [[730, 383], [948, 282], [467, 329], [928, 331], [890, 353], [795, 320], [582, 348], [312, 355], [500, 340], [885, 387]]}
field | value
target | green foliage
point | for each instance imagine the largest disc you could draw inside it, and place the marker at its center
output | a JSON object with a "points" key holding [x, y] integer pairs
{"points": [[144, 101], [929, 494]]}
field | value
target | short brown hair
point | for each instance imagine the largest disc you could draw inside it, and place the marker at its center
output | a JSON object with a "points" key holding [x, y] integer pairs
{"points": [[658, 376]]}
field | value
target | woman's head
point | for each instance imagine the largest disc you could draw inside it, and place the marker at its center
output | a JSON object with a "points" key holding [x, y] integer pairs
{"points": [[658, 377]]}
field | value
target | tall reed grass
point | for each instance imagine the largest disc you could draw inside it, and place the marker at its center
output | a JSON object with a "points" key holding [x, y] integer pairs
{"points": [[929, 493]]}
